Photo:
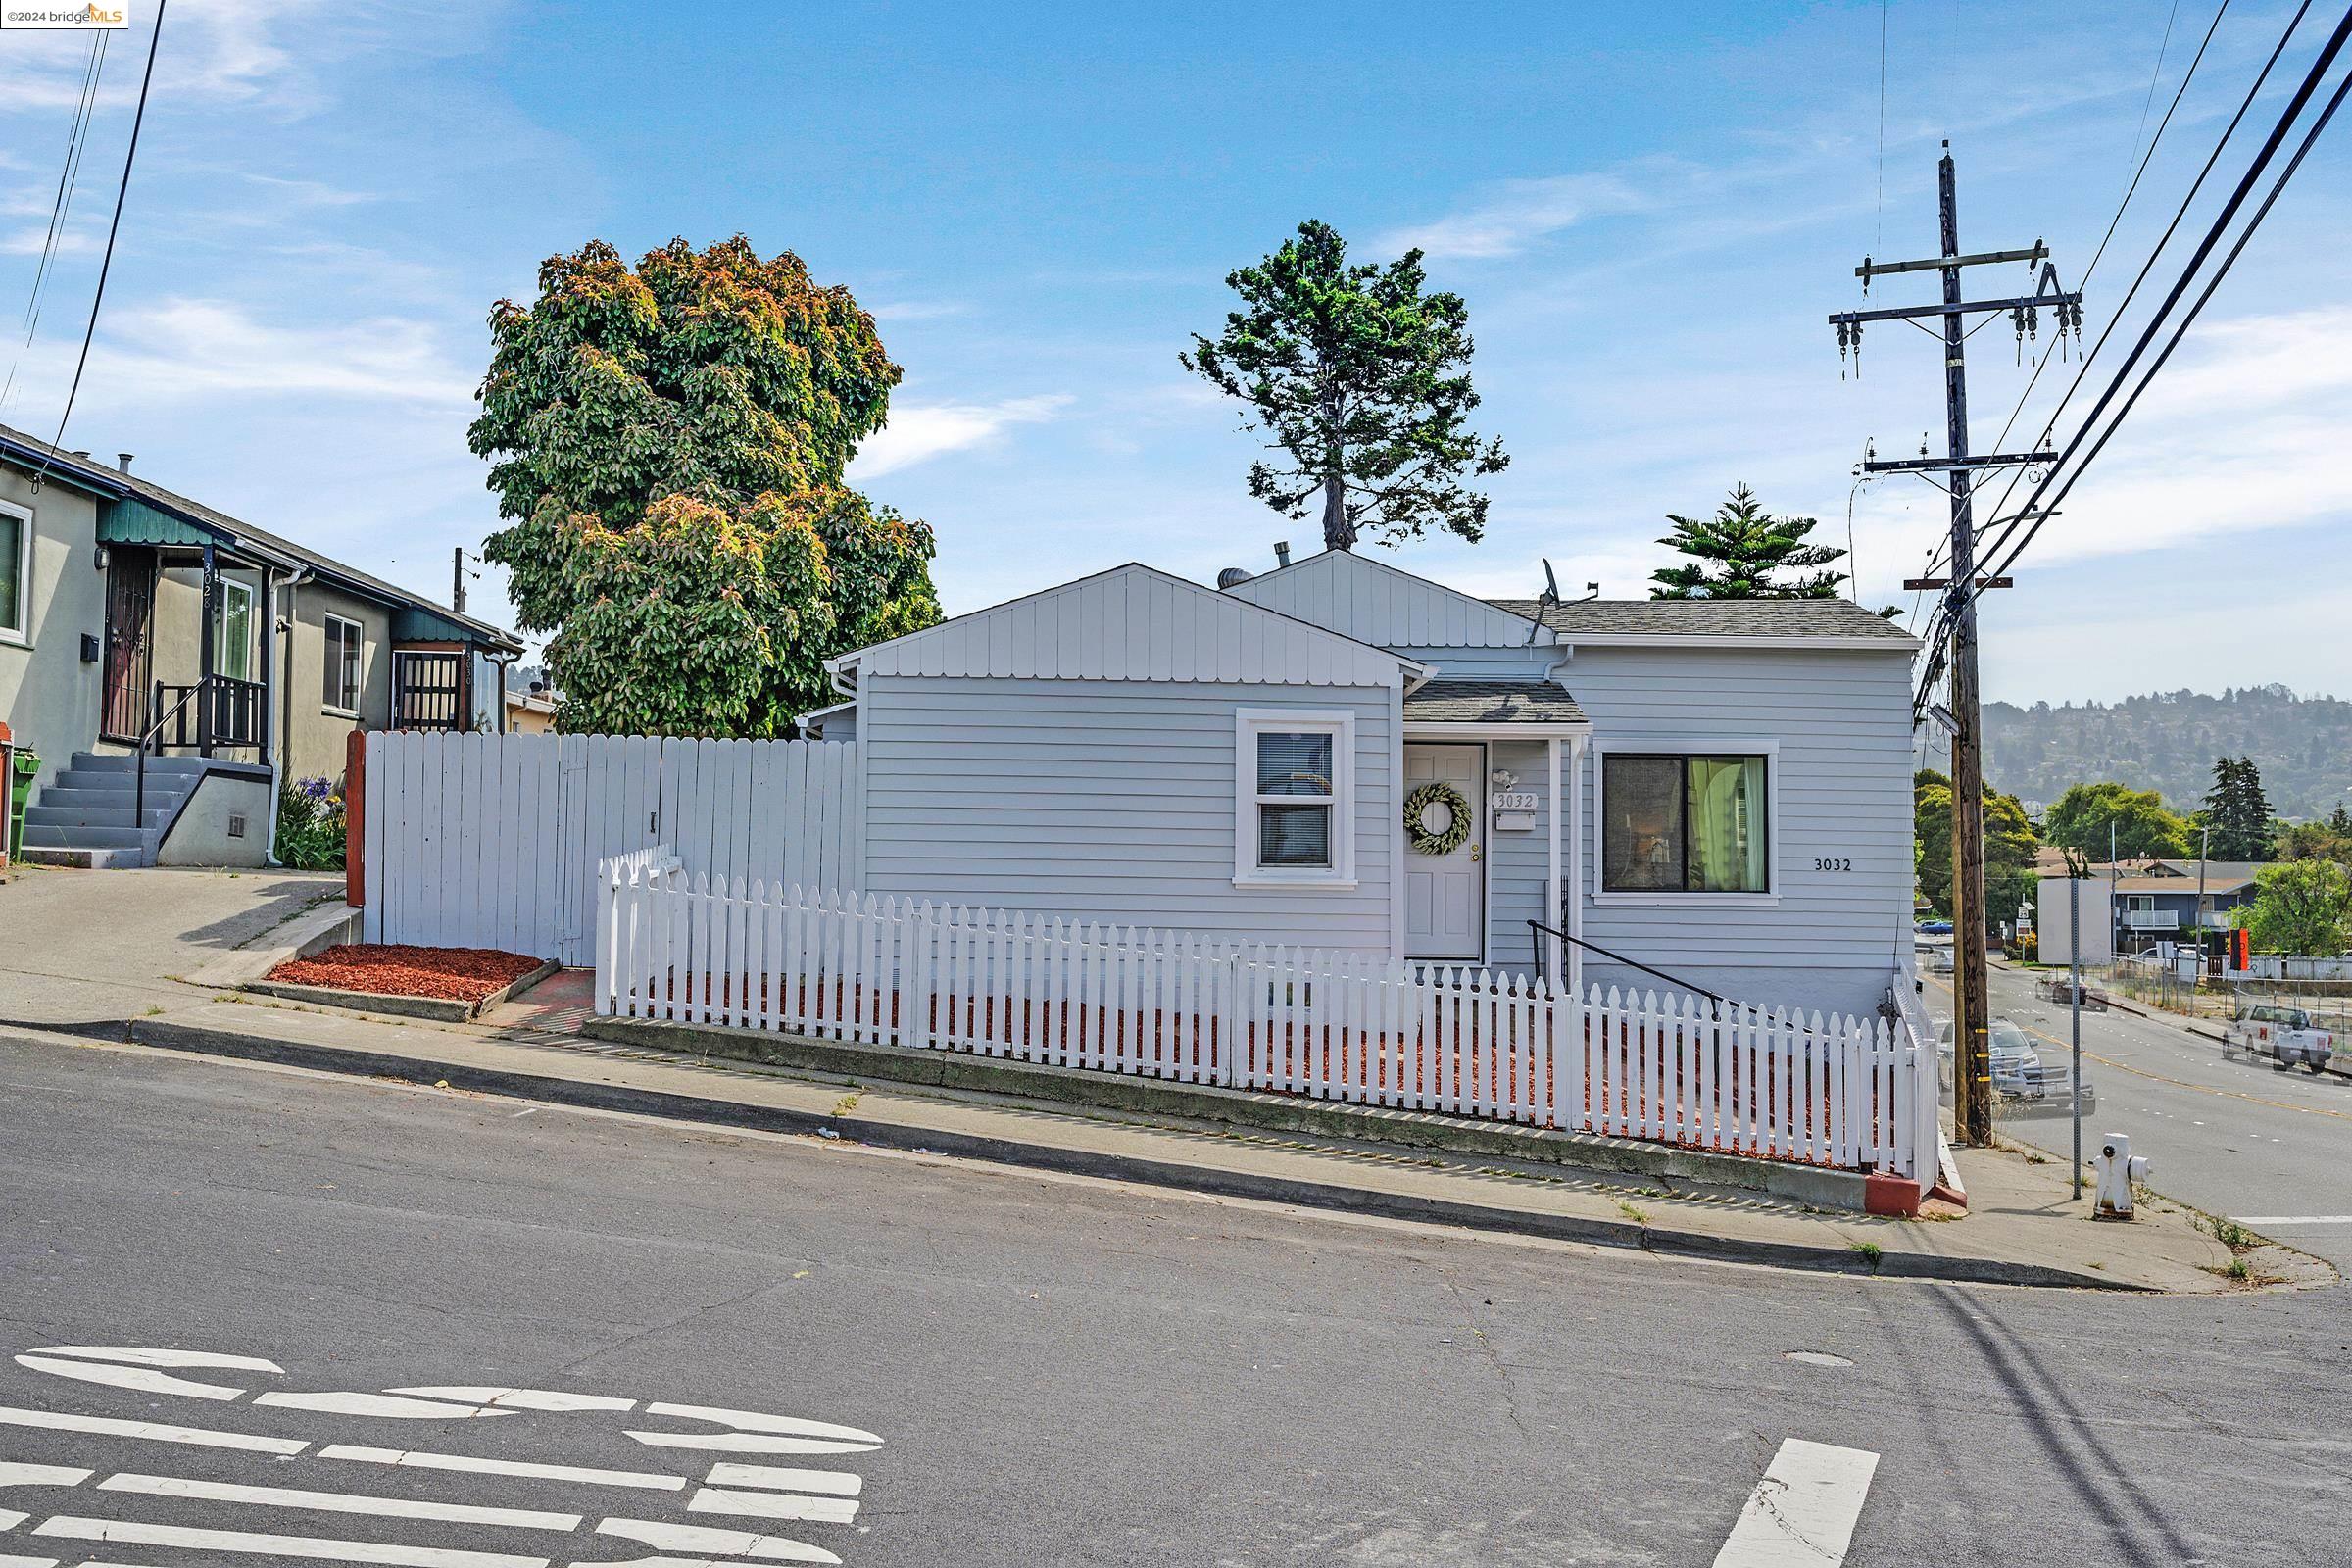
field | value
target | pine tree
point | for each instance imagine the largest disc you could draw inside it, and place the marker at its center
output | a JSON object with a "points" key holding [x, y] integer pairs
{"points": [[2237, 812], [1745, 545]]}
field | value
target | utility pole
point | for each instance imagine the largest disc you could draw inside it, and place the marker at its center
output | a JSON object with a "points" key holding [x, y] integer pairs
{"points": [[456, 579], [1971, 1112]]}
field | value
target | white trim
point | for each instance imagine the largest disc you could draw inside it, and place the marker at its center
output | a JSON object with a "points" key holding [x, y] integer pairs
{"points": [[229, 586], [1396, 847], [1569, 643], [20, 635], [1552, 859], [1248, 725], [1677, 746], [1576, 869], [360, 675]]}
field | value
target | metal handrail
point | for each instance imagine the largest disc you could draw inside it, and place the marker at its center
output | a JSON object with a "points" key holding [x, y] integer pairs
{"points": [[1534, 926], [138, 813]]}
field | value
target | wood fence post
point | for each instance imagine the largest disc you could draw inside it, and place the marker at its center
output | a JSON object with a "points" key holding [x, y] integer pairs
{"points": [[355, 818]]}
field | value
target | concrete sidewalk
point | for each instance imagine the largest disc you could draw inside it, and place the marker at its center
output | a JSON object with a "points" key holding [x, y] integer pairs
{"points": [[2021, 1229]]}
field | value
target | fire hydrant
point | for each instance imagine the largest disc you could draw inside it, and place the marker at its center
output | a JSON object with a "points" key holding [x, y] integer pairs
{"points": [[2117, 1168]]}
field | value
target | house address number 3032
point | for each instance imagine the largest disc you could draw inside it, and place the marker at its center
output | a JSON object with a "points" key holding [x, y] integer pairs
{"points": [[1833, 863]]}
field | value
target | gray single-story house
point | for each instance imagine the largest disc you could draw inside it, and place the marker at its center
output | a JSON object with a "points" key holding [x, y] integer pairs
{"points": [[1340, 755], [134, 617]]}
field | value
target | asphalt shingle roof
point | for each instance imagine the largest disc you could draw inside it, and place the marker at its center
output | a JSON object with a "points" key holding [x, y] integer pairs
{"points": [[1707, 617], [1491, 702]]}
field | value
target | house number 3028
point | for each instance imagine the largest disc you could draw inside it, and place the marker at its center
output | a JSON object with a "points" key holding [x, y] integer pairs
{"points": [[1832, 862]]}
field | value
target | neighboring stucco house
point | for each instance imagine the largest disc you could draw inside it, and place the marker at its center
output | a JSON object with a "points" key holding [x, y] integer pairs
{"points": [[1342, 754], [132, 615]]}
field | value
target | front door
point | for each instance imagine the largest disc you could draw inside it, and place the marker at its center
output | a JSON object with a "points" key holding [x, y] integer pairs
{"points": [[1446, 895], [130, 620]]}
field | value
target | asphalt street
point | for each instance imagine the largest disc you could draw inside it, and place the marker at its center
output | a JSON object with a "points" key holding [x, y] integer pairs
{"points": [[2231, 1136], [1005, 1367]]}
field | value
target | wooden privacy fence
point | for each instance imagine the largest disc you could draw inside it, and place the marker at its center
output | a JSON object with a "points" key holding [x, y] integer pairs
{"points": [[493, 841], [1353, 1027]]}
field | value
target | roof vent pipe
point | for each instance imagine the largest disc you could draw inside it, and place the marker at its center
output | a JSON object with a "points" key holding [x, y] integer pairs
{"points": [[1282, 551], [123, 461]]}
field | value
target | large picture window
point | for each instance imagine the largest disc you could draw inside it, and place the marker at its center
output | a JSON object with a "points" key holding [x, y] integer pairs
{"points": [[1294, 796], [1685, 823]]}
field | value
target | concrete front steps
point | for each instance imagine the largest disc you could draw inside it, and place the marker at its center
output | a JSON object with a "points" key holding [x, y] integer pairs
{"points": [[87, 816]]}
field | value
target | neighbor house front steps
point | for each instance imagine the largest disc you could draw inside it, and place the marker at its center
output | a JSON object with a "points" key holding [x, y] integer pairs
{"points": [[2020, 1231], [91, 813]]}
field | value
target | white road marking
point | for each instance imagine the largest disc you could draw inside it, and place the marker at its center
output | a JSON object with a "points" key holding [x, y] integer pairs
{"points": [[152, 1431], [144, 1379], [774, 1505], [270, 1546], [42, 1475], [9, 1561], [724, 1542], [755, 1433], [2296, 1219], [1802, 1513], [840, 1483], [523, 1398], [142, 1355], [457, 1513], [651, 1481], [389, 1405]]}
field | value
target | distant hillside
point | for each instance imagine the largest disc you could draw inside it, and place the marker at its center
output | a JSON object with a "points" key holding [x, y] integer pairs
{"points": [[2168, 742]]}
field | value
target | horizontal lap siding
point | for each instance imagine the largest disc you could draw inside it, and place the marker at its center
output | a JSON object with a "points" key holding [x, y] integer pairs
{"points": [[1842, 721], [1108, 800], [1519, 864]]}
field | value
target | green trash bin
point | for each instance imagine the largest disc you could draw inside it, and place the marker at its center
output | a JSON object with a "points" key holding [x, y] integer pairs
{"points": [[20, 795]]}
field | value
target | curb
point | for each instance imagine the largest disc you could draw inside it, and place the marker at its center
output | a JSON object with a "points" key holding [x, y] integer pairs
{"points": [[1597, 1154], [201, 1040]]}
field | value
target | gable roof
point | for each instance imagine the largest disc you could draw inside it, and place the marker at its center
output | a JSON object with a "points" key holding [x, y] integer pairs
{"points": [[1133, 622], [1377, 603], [1801, 622], [139, 501]]}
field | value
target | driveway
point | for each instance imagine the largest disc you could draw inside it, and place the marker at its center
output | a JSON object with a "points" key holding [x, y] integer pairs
{"points": [[91, 947]]}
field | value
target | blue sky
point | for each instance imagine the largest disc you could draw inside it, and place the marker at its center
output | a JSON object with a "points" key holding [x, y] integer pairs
{"points": [[1649, 210]]}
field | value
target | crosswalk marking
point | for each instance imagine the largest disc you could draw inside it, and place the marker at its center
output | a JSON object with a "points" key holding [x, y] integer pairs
{"points": [[457, 1513], [721, 1543], [1802, 1513], [773, 1505], [144, 1379], [2296, 1219], [352, 1402], [152, 1356], [776, 1478], [651, 1481], [390, 1554], [153, 1431]]}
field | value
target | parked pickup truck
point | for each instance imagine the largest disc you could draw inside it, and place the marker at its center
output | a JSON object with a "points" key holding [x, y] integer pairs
{"points": [[2288, 1036]]}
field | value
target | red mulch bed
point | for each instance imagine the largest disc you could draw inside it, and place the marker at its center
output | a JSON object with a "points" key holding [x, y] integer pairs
{"points": [[388, 969]]}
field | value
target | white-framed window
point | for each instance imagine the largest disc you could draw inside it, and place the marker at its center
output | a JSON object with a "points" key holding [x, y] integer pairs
{"points": [[1294, 819], [15, 574], [232, 631], [342, 686], [1686, 820]]}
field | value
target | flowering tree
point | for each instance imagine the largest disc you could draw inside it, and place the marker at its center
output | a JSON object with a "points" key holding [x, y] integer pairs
{"points": [[668, 446]]}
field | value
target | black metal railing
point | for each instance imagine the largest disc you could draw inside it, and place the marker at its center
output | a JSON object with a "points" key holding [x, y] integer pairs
{"points": [[219, 711], [1538, 928]]}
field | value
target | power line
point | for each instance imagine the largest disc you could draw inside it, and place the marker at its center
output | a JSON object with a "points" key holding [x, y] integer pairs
{"points": [[69, 178], [122, 191], [2221, 223], [2278, 186]]}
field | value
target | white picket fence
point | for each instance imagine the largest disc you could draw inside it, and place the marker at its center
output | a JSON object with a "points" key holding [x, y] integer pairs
{"points": [[492, 841], [1345, 1027]]}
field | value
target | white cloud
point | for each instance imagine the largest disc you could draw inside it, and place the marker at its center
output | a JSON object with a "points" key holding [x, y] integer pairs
{"points": [[1514, 213], [185, 349], [919, 432]]}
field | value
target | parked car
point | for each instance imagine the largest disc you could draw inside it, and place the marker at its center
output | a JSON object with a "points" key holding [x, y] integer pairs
{"points": [[1933, 928], [2288, 1036], [2020, 1074]]}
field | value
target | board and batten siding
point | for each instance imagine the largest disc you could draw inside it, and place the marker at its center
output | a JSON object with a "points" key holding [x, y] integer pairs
{"points": [[1107, 799], [1842, 722]]}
